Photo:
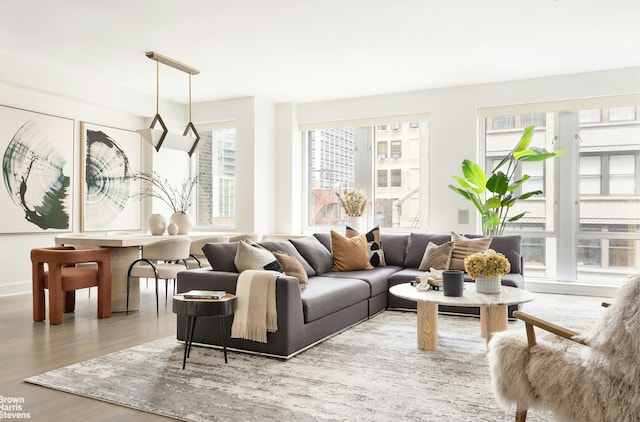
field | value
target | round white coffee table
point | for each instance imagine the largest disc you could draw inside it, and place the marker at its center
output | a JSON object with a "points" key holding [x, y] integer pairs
{"points": [[493, 308]]}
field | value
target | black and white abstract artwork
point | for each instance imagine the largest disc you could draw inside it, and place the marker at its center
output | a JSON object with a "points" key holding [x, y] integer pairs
{"points": [[111, 156], [37, 169]]}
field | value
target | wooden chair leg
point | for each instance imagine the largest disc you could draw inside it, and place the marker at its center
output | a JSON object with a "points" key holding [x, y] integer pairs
{"points": [[521, 415], [39, 308], [104, 300], [56, 304], [69, 301]]}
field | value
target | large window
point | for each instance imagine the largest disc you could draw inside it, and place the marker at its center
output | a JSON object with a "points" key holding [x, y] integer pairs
{"points": [[382, 160], [216, 165], [586, 226]]}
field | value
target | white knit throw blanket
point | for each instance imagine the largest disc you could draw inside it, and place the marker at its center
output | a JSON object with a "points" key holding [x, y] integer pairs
{"points": [[256, 305]]}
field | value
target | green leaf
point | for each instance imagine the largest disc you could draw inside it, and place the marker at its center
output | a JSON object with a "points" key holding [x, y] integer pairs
{"points": [[509, 201], [517, 217], [468, 196], [529, 194], [525, 140], [515, 185], [493, 202], [462, 182], [490, 219], [539, 154], [474, 174], [498, 183]]}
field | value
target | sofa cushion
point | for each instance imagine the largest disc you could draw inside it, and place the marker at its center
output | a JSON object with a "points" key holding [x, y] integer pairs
{"points": [[417, 244], [510, 246], [395, 246], [349, 254], [221, 256], [436, 256], [286, 247], [326, 295], [292, 267], [376, 278], [251, 256], [317, 255], [463, 247], [374, 245]]}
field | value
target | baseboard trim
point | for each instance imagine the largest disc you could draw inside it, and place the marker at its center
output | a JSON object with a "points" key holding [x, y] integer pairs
{"points": [[12, 289]]}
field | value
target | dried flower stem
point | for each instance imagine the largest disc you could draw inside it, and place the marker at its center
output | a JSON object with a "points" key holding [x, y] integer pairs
{"points": [[155, 186], [353, 202]]}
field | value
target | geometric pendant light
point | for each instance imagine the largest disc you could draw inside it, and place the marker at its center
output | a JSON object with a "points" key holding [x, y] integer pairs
{"points": [[188, 141]]}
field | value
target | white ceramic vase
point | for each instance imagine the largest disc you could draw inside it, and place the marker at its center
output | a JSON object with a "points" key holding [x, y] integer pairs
{"points": [[486, 284], [183, 222], [357, 223], [172, 229], [157, 224]]}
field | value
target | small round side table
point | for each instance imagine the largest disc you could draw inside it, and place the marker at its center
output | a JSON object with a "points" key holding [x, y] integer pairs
{"points": [[194, 308]]}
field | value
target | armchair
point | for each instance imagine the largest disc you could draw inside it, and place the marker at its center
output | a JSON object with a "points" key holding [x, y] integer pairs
{"points": [[591, 377], [60, 270]]}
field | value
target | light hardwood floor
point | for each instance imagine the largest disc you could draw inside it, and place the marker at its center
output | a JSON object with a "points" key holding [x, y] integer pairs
{"points": [[30, 348]]}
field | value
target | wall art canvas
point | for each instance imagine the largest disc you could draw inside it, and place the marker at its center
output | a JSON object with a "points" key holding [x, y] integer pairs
{"points": [[37, 170], [110, 158]]}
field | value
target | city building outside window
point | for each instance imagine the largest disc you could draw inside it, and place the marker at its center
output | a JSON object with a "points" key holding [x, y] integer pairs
{"points": [[216, 165], [396, 149], [339, 158], [383, 150], [605, 169]]}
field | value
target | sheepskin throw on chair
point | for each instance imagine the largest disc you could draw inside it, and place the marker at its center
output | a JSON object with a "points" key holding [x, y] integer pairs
{"points": [[598, 382]]}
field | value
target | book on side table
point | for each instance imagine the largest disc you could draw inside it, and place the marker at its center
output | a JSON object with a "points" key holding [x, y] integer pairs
{"points": [[204, 294]]}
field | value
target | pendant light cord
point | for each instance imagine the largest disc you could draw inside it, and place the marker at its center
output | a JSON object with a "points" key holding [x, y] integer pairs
{"points": [[190, 97], [157, 87]]}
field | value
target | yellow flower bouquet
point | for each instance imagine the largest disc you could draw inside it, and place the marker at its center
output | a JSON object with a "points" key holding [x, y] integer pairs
{"points": [[488, 264]]}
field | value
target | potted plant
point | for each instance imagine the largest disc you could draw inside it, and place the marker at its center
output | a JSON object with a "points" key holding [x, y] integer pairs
{"points": [[354, 203], [493, 194], [487, 269], [178, 198]]}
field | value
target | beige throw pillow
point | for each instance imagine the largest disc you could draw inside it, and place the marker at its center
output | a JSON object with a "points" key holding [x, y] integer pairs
{"points": [[436, 256], [251, 256], [349, 254], [292, 267], [463, 247]]}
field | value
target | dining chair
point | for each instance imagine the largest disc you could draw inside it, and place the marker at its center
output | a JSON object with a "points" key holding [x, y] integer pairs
{"points": [[196, 257], [55, 269], [163, 259]]}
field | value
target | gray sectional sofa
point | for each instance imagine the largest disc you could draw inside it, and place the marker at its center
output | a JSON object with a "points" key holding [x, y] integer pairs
{"points": [[331, 301]]}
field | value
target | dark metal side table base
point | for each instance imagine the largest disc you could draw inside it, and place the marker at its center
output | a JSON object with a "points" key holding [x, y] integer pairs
{"points": [[194, 308]]}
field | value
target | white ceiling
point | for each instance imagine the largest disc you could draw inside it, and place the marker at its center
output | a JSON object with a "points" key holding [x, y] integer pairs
{"points": [[311, 50]]}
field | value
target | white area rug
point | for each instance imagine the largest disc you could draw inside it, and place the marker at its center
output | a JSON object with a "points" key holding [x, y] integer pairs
{"points": [[371, 372]]}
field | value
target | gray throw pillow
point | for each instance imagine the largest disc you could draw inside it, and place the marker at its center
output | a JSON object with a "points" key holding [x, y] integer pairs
{"points": [[221, 256], [314, 253]]}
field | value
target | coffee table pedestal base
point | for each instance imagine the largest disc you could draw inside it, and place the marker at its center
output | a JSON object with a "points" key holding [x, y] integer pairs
{"points": [[492, 320], [427, 326]]}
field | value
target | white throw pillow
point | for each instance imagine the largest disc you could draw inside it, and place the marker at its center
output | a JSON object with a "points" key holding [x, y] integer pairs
{"points": [[251, 256]]}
